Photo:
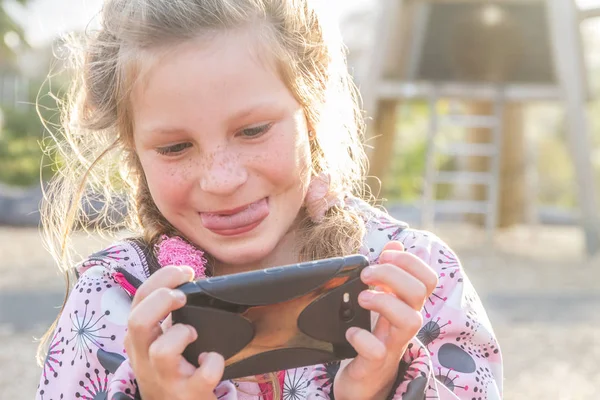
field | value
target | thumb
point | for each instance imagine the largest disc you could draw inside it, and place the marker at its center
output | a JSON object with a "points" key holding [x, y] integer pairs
{"points": [[209, 373], [368, 359]]}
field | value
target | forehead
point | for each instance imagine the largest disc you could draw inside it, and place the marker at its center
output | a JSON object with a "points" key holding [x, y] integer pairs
{"points": [[215, 74]]}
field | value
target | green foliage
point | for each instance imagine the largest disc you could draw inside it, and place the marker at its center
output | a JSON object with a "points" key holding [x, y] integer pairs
{"points": [[21, 122], [404, 181], [21, 150], [405, 177], [20, 161]]}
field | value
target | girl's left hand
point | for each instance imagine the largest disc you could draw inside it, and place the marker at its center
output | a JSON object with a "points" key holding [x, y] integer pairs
{"points": [[403, 283]]}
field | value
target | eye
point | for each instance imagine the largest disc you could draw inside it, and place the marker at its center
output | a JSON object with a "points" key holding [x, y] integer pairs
{"points": [[256, 131], [173, 150]]}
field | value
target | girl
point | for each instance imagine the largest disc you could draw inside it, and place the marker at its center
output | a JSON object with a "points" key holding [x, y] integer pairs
{"points": [[234, 128]]}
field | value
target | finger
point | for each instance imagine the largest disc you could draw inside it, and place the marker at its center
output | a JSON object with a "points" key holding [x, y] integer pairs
{"points": [[400, 315], [371, 352], [393, 245], [397, 282], [411, 264], [206, 377], [144, 320], [167, 277], [393, 337], [381, 329], [386, 332], [165, 352], [167, 323]]}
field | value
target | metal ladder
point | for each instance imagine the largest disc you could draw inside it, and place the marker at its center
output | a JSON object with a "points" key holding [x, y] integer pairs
{"points": [[490, 179]]}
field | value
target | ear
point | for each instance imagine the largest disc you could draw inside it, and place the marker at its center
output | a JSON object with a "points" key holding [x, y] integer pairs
{"points": [[320, 198]]}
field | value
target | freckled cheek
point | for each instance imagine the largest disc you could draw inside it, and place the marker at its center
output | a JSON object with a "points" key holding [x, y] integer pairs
{"points": [[169, 186], [282, 165]]}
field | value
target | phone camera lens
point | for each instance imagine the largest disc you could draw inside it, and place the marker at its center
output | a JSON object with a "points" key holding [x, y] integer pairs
{"points": [[347, 315], [346, 309]]}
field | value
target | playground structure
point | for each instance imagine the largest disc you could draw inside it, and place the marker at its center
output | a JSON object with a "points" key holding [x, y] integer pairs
{"points": [[487, 58]]}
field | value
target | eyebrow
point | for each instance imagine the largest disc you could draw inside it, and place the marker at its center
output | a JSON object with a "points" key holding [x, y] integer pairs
{"points": [[243, 113], [238, 115], [168, 131]]}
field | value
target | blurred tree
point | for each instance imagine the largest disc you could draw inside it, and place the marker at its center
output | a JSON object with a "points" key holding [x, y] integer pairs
{"points": [[22, 139], [8, 26]]}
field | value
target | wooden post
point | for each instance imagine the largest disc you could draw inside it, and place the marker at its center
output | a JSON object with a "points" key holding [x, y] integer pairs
{"points": [[512, 202], [382, 141], [566, 43]]}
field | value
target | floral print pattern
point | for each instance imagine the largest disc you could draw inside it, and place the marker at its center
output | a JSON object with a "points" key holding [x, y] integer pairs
{"points": [[454, 356]]}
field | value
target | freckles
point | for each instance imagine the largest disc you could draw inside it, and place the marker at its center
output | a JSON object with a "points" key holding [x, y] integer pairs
{"points": [[179, 173], [206, 161], [174, 175], [194, 164], [228, 163], [258, 158]]}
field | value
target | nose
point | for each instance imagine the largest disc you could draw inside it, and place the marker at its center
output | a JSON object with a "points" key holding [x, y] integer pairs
{"points": [[223, 174]]}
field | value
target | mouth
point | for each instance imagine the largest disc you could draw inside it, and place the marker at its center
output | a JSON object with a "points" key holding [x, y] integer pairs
{"points": [[238, 220]]}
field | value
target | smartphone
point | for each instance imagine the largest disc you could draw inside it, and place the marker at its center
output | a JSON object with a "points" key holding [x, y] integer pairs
{"points": [[277, 318]]}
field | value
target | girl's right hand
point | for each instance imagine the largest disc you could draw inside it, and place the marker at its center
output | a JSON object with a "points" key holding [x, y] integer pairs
{"points": [[156, 357]]}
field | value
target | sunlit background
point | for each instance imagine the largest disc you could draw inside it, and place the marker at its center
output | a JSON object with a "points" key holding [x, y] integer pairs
{"points": [[484, 126]]}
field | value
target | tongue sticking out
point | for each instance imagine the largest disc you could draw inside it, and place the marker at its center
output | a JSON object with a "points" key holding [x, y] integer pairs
{"points": [[254, 213]]}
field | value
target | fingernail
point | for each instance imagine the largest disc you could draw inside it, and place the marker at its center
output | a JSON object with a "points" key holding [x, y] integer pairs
{"points": [[367, 272], [211, 362], [351, 332], [178, 295], [386, 256], [383, 255], [366, 295], [210, 368], [187, 272]]}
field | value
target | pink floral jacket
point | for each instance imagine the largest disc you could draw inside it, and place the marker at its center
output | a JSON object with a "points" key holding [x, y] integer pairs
{"points": [[454, 356]]}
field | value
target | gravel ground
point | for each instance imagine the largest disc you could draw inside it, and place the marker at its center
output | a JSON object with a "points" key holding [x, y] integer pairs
{"points": [[541, 294]]}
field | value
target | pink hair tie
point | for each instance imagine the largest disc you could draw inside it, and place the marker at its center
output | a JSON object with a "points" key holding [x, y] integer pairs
{"points": [[319, 197], [176, 251]]}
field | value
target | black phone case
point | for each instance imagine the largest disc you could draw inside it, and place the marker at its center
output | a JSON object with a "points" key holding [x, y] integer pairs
{"points": [[278, 318]]}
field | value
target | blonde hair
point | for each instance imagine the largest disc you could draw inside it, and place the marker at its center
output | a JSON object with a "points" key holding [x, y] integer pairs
{"points": [[95, 145]]}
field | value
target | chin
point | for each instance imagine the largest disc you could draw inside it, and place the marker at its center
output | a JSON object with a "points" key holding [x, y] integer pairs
{"points": [[245, 252], [240, 260]]}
